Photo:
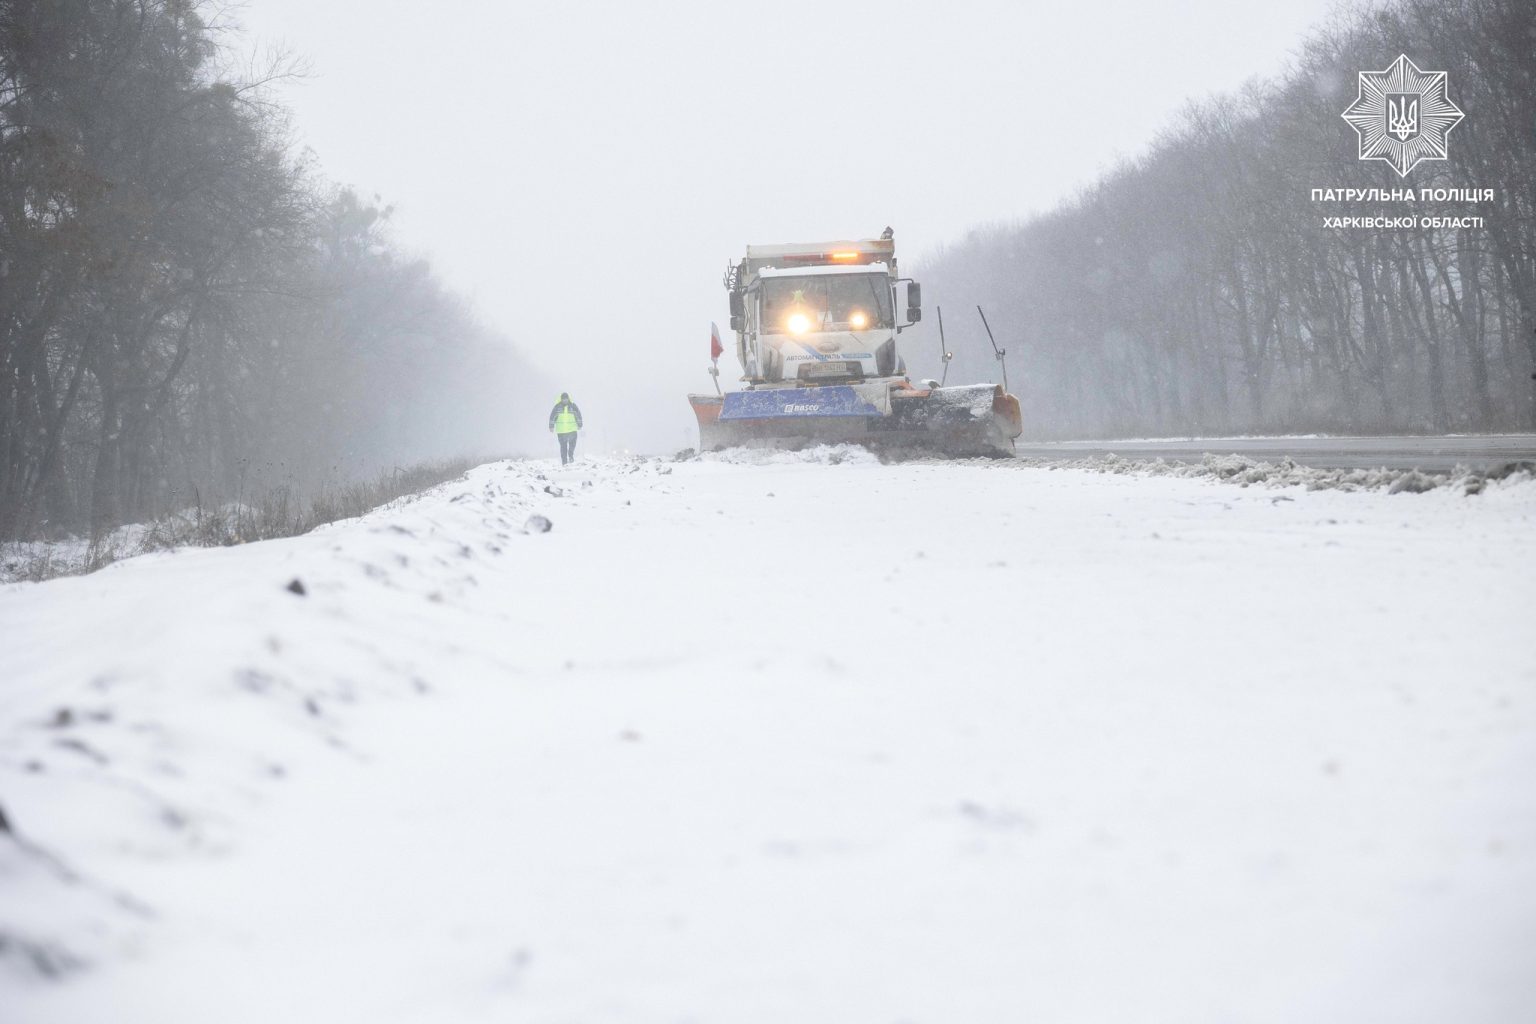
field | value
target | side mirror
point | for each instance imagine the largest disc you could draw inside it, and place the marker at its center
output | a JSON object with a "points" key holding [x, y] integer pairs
{"points": [[738, 305], [914, 302], [914, 314], [736, 322]]}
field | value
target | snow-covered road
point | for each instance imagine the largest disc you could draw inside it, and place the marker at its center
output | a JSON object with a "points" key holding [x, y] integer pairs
{"points": [[792, 739], [1440, 453]]}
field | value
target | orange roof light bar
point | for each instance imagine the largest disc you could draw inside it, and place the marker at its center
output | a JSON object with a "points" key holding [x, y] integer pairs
{"points": [[841, 251]]}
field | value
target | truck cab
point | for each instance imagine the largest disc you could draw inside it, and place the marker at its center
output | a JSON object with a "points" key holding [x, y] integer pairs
{"points": [[819, 313]]}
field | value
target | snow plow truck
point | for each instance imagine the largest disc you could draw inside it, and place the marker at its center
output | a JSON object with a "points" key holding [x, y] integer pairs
{"points": [[816, 328]]}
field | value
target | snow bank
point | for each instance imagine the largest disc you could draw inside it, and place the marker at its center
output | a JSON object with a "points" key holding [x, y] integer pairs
{"points": [[821, 455], [149, 732]]}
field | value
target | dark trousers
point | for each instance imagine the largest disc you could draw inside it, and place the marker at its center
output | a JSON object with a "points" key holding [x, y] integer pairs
{"points": [[567, 447]]}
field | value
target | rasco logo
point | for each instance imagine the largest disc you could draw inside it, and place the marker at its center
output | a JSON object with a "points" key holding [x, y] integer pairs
{"points": [[1403, 115]]}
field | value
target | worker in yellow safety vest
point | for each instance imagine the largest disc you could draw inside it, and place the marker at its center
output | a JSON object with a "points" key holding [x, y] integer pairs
{"points": [[565, 420]]}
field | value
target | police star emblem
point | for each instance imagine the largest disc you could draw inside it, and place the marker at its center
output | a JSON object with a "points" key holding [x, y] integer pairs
{"points": [[1403, 115]]}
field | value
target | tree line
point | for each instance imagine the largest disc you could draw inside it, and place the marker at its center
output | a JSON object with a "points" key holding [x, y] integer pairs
{"points": [[1200, 288], [189, 311]]}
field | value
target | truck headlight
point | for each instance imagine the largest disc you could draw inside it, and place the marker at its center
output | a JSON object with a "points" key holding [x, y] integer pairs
{"points": [[858, 321], [799, 323]]}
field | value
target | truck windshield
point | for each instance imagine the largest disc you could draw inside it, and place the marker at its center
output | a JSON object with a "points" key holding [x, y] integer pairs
{"points": [[828, 302]]}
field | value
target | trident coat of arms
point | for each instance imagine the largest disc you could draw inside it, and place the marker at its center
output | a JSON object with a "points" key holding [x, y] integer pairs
{"points": [[1403, 115]]}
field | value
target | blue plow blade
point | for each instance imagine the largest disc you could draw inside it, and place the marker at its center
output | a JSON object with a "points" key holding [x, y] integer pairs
{"points": [[795, 403]]}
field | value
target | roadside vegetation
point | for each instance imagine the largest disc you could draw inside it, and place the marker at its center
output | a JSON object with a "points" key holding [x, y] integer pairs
{"points": [[190, 311], [278, 512], [1198, 289]]}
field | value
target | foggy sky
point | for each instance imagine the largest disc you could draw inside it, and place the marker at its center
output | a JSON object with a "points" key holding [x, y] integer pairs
{"points": [[583, 171]]}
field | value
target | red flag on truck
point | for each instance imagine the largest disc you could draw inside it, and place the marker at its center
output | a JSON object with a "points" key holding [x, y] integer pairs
{"points": [[715, 348]]}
